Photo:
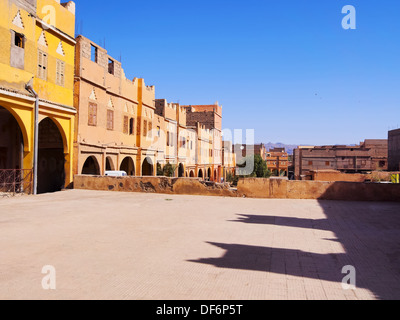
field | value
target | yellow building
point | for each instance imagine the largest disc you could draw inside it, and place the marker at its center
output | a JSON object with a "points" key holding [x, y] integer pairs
{"points": [[37, 66]]}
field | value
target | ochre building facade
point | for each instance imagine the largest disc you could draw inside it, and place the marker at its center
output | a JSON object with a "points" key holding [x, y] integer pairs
{"points": [[37, 68]]}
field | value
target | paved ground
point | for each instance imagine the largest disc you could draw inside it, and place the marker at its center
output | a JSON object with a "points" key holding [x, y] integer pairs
{"points": [[107, 245]]}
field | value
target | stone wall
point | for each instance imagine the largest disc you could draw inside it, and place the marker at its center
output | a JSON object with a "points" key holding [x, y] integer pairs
{"points": [[350, 191], [249, 187], [153, 185], [332, 176]]}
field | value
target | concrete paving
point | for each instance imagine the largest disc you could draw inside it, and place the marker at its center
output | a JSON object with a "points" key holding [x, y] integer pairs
{"points": [[108, 245]]}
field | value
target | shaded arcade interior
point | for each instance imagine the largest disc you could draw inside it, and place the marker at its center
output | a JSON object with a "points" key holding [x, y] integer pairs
{"points": [[11, 142]]}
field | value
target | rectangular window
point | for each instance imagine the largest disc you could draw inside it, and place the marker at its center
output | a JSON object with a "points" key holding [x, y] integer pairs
{"points": [[310, 163], [327, 163], [60, 72], [93, 53], [42, 65], [110, 66], [150, 130], [17, 50], [144, 128], [131, 126], [168, 137], [158, 132], [110, 120], [172, 139], [19, 40], [138, 128], [126, 125], [92, 117]]}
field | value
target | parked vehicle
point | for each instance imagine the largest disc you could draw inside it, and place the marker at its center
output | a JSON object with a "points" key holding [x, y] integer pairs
{"points": [[116, 173]]}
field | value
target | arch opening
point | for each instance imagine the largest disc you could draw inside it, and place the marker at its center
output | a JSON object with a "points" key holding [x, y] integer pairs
{"points": [[91, 167], [128, 166], [181, 170], [51, 160], [11, 142], [147, 167]]}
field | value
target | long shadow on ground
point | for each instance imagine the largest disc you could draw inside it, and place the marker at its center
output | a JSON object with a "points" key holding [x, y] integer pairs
{"points": [[369, 232]]}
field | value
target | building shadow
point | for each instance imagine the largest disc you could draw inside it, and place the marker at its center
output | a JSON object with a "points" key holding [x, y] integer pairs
{"points": [[368, 231], [320, 224], [276, 260]]}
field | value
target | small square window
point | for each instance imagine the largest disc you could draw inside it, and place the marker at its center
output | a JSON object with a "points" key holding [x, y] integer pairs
{"points": [[19, 40]]}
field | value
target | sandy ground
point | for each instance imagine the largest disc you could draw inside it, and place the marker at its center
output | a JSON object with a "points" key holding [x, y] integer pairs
{"points": [[107, 245]]}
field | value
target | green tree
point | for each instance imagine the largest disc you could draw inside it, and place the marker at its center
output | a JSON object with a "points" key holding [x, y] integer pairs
{"points": [[160, 171], [169, 170], [260, 167]]}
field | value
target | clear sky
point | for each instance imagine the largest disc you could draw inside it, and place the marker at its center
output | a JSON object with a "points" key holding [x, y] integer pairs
{"points": [[285, 68]]}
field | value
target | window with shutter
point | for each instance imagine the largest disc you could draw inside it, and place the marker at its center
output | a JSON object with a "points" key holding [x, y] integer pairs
{"points": [[92, 118], [126, 124], [42, 65], [110, 120], [60, 73], [168, 136], [144, 128], [150, 129]]}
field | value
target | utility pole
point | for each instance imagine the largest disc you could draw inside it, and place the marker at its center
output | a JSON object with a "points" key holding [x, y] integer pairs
{"points": [[29, 87]]}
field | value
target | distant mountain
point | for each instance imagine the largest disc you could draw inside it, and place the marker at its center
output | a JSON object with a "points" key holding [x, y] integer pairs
{"points": [[288, 147]]}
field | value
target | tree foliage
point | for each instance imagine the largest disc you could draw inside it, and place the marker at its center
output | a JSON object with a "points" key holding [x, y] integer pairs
{"points": [[169, 170], [260, 167]]}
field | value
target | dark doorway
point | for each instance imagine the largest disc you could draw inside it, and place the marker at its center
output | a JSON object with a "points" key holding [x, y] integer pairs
{"points": [[147, 167], [191, 174], [181, 171], [209, 173], [200, 173], [11, 142], [51, 172], [128, 166], [91, 167]]}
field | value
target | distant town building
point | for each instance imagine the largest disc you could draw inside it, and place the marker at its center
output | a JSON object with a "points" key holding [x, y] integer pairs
{"points": [[277, 161], [228, 158], [370, 155], [245, 150], [210, 119], [394, 150]]}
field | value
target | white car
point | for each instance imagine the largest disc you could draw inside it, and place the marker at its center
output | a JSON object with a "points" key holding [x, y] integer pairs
{"points": [[116, 173]]}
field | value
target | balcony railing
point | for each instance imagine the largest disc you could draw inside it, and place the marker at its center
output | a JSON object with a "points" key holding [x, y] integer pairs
{"points": [[15, 181]]}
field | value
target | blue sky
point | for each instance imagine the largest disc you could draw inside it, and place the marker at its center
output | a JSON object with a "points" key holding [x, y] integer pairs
{"points": [[284, 68]]}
